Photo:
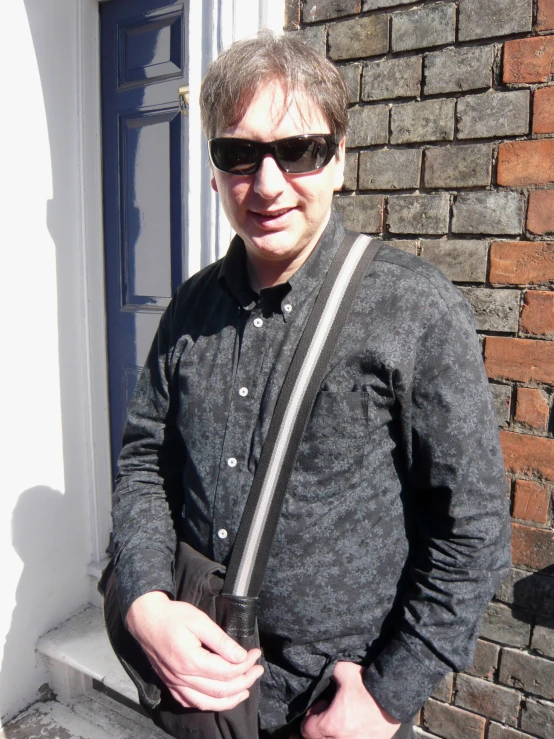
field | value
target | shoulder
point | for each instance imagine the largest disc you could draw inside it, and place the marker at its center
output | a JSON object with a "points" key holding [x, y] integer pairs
{"points": [[411, 286]]}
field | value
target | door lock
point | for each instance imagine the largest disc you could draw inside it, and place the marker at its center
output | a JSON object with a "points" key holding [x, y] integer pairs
{"points": [[184, 98]]}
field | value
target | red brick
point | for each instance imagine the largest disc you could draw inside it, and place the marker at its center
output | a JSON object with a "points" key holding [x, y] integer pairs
{"points": [[485, 661], [487, 699], [545, 15], [537, 316], [540, 216], [452, 723], [529, 456], [532, 547], [524, 360], [526, 162], [543, 110], [531, 501], [532, 408], [529, 60], [496, 731], [522, 262]]}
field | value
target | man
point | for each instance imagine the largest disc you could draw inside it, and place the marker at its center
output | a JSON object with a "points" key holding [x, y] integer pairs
{"points": [[393, 534]]}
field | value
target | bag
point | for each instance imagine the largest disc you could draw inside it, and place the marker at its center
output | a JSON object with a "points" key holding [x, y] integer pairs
{"points": [[199, 581]]}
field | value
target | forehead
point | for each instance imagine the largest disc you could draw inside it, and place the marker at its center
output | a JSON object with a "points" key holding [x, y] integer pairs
{"points": [[272, 114]]}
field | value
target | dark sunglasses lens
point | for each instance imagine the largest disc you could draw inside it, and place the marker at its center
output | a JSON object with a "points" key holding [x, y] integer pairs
{"points": [[302, 153], [234, 156]]}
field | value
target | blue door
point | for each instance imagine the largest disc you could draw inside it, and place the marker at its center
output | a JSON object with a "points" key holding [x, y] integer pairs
{"points": [[144, 155]]}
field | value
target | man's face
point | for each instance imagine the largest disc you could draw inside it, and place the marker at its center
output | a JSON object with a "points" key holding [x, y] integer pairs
{"points": [[279, 216]]}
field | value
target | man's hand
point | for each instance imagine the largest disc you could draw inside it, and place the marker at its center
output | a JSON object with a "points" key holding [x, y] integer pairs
{"points": [[352, 714], [202, 666]]}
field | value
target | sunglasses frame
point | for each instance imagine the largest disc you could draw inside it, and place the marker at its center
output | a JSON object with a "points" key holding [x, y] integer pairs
{"points": [[263, 148]]}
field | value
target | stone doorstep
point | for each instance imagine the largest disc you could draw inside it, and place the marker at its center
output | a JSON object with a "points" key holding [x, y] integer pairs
{"points": [[91, 716], [95, 699], [78, 655]]}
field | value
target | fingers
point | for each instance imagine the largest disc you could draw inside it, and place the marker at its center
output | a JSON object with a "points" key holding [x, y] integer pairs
{"points": [[227, 688], [214, 638], [193, 699]]}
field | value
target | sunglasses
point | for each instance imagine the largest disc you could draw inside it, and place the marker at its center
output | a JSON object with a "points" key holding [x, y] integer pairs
{"points": [[295, 154]]}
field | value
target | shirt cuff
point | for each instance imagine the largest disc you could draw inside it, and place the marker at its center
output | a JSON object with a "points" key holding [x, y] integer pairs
{"points": [[400, 683], [142, 572]]}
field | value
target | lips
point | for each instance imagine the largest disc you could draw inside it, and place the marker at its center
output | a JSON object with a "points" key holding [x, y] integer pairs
{"points": [[272, 218]]}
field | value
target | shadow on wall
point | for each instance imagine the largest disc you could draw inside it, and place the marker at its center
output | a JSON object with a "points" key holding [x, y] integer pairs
{"points": [[39, 536]]}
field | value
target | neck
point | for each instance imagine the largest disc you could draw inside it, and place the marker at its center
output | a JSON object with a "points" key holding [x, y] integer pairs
{"points": [[263, 273]]}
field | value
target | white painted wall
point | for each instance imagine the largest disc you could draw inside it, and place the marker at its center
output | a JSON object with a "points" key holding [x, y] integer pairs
{"points": [[44, 535], [54, 498]]}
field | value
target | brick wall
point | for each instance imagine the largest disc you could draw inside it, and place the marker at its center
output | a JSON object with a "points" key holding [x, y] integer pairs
{"points": [[451, 156]]}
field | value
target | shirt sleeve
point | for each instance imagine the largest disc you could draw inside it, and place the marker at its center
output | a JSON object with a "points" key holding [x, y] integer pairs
{"points": [[145, 501], [459, 542]]}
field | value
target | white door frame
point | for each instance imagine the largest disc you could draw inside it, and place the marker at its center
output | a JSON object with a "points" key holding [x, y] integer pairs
{"points": [[213, 24]]}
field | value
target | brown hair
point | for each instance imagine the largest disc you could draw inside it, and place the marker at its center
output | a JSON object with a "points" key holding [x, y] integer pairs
{"points": [[233, 79]]}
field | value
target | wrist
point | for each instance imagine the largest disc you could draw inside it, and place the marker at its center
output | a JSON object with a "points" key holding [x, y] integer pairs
{"points": [[144, 610]]}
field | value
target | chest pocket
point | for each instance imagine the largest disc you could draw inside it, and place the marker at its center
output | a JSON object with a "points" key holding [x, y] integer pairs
{"points": [[331, 456]]}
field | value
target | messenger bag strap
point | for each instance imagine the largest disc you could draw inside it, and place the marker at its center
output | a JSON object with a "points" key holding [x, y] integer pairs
{"points": [[259, 521]]}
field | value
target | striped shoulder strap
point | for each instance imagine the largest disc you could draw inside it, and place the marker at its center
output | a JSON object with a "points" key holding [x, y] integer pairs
{"points": [[263, 507]]}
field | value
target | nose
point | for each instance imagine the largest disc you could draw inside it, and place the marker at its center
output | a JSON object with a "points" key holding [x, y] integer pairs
{"points": [[269, 180]]}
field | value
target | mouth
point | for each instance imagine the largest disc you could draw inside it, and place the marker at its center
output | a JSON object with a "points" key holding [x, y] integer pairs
{"points": [[272, 214]]}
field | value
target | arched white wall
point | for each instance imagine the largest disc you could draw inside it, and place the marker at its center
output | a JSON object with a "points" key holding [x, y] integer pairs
{"points": [[55, 501]]}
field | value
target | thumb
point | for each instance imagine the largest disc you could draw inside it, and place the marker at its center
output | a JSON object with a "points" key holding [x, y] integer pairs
{"points": [[216, 640]]}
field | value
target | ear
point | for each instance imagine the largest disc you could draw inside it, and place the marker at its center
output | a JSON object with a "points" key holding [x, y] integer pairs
{"points": [[340, 157], [213, 183]]}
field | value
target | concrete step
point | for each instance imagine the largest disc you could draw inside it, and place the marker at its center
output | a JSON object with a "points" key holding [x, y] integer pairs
{"points": [[92, 716], [79, 657]]}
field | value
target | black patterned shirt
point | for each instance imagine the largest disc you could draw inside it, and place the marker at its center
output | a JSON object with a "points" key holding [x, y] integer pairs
{"points": [[394, 530]]}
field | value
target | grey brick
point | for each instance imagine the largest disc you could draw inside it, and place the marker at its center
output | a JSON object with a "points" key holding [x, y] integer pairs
{"points": [[503, 625], [543, 638], [443, 691], [461, 261], [485, 661], [407, 245], [420, 28], [534, 591], [501, 396], [488, 699], [431, 120], [527, 672], [359, 38], [493, 115], [324, 9], [493, 310], [537, 718], [454, 70], [378, 4], [351, 171], [390, 169], [316, 37], [488, 213], [368, 125], [392, 78], [420, 733], [458, 166], [496, 731], [361, 212], [500, 18], [351, 74], [418, 214], [452, 722]]}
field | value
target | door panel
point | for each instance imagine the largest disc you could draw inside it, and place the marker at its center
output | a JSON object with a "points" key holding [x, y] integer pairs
{"points": [[144, 155]]}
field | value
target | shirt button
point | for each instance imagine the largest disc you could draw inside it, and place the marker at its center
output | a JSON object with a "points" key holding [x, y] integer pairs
{"points": [[232, 462], [258, 322], [288, 308], [222, 533], [243, 392]]}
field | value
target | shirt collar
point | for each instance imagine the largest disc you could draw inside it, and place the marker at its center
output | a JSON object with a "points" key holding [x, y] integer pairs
{"points": [[234, 276]]}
